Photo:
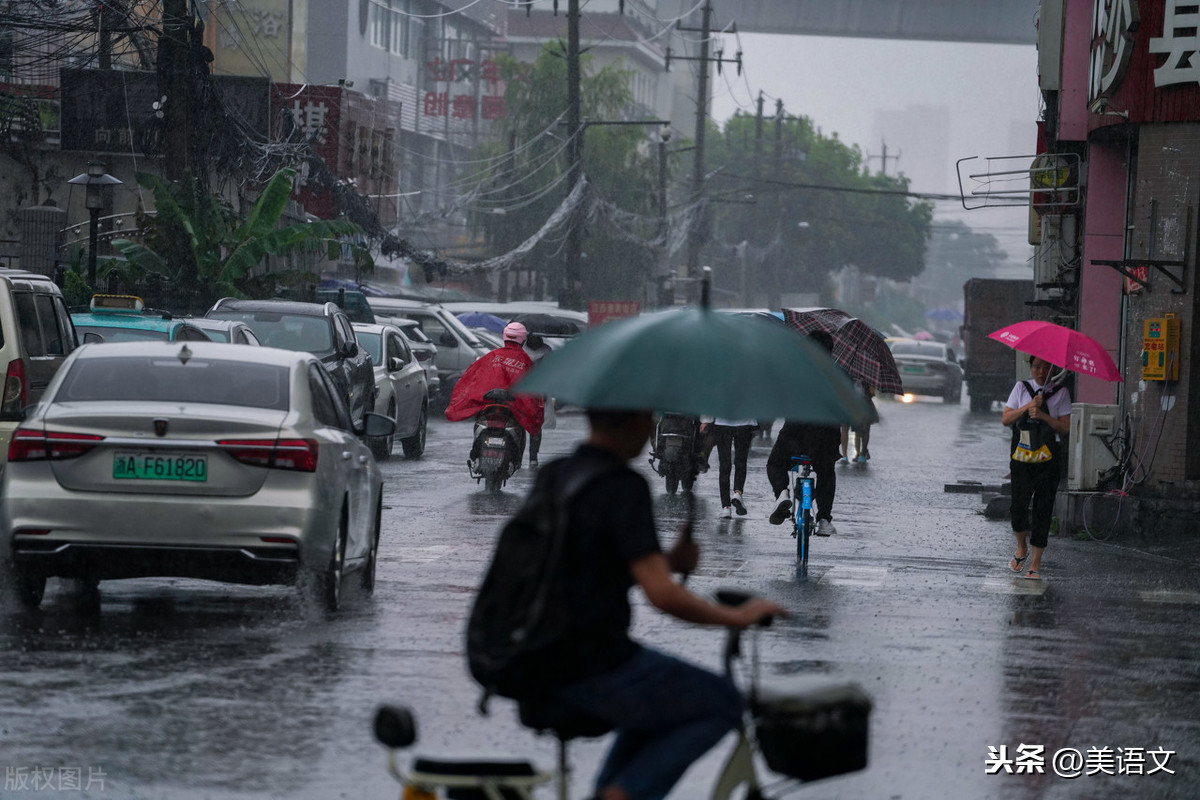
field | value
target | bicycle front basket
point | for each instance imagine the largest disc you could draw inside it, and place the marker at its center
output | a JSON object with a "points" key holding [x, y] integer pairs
{"points": [[812, 727]]}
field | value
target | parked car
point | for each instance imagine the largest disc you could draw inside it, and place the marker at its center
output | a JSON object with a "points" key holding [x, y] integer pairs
{"points": [[424, 349], [226, 330], [318, 328], [124, 318], [457, 346], [352, 302], [401, 390], [198, 460], [36, 336], [928, 367]]}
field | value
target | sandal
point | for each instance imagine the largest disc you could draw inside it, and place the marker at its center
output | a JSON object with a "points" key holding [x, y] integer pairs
{"points": [[1015, 564], [1033, 575]]}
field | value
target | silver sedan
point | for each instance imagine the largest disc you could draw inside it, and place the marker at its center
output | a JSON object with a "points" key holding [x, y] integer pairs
{"points": [[201, 460]]}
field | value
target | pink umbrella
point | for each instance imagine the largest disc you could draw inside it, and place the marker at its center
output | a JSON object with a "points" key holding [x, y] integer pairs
{"points": [[1061, 346], [923, 336]]}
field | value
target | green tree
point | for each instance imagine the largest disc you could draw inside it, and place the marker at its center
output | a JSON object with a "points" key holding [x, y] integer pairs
{"points": [[202, 250], [524, 180], [806, 207], [956, 253]]}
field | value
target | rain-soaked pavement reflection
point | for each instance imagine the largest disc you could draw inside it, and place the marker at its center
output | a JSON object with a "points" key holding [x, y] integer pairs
{"points": [[186, 689]]}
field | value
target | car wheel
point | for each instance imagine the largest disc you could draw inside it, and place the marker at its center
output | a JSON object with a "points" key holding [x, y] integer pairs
{"points": [[24, 588], [382, 447], [414, 446], [323, 587], [367, 579], [953, 394], [672, 481]]}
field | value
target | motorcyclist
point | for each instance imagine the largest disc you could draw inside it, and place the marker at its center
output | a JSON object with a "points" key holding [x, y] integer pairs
{"points": [[499, 369]]}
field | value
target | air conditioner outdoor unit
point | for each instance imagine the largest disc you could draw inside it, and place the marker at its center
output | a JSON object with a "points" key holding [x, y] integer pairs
{"points": [[1089, 456]]}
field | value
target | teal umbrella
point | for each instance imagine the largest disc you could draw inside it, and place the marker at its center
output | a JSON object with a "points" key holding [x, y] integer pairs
{"points": [[700, 361]]}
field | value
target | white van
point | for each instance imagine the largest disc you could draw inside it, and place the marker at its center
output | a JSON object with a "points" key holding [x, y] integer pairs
{"points": [[36, 336]]}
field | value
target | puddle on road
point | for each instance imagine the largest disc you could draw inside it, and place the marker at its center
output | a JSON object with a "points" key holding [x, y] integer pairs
{"points": [[1168, 596], [862, 577], [1015, 585], [426, 554]]}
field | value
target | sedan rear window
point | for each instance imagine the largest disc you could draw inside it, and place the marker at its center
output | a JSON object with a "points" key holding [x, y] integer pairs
{"points": [[133, 379], [286, 331]]}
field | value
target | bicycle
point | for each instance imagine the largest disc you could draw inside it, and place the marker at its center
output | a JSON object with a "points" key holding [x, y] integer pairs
{"points": [[801, 475], [805, 727]]}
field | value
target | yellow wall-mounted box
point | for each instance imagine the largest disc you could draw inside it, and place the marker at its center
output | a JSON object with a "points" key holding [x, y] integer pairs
{"points": [[1160, 349]]}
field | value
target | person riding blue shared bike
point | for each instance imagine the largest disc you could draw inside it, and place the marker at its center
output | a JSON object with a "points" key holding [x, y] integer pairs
{"points": [[666, 712], [822, 444]]}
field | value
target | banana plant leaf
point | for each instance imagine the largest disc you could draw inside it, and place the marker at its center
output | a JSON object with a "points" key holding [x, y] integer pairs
{"points": [[700, 361]]}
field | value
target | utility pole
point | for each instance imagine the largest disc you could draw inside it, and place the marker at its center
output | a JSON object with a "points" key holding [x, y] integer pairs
{"points": [[174, 82], [884, 158], [697, 223], [569, 293]]}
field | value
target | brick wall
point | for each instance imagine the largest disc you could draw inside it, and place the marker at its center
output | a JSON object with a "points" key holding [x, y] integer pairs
{"points": [[1166, 221]]}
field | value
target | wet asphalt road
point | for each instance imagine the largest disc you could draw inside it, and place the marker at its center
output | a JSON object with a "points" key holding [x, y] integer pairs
{"points": [[184, 689]]}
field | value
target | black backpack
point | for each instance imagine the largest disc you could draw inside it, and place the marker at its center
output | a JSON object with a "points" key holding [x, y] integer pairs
{"points": [[520, 608], [1034, 442]]}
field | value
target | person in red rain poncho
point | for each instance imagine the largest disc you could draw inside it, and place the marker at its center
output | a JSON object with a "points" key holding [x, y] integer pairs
{"points": [[499, 369]]}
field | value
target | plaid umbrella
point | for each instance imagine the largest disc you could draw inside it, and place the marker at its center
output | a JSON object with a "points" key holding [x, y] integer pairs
{"points": [[857, 347]]}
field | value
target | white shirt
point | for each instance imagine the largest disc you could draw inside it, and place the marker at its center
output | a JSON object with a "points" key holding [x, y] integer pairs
{"points": [[1058, 405]]}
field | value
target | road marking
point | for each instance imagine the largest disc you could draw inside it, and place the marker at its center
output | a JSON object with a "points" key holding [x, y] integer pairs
{"points": [[425, 555], [864, 577], [1168, 596], [1015, 585]]}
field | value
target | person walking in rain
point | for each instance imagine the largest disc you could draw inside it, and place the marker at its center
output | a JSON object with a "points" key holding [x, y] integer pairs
{"points": [[732, 438], [1035, 474]]}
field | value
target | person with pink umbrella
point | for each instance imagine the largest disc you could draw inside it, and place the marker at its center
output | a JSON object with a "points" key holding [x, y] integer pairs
{"points": [[1039, 412]]}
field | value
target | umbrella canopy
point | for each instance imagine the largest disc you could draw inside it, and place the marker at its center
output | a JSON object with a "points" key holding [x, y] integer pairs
{"points": [[699, 361], [478, 319], [1061, 346], [943, 315], [857, 347], [923, 336], [547, 324]]}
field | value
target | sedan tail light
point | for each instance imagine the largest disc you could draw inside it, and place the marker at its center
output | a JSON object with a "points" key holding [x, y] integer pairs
{"points": [[293, 454], [36, 446], [15, 392]]}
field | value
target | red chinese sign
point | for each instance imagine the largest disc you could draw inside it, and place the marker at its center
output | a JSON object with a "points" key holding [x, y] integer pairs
{"points": [[601, 311], [464, 106]]}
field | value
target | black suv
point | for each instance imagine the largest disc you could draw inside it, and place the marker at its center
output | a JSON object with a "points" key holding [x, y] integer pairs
{"points": [[318, 328]]}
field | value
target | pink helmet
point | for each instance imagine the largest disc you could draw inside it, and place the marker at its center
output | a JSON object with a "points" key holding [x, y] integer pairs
{"points": [[515, 332]]}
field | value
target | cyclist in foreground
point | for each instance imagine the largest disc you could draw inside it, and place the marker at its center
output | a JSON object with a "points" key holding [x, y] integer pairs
{"points": [[667, 713]]}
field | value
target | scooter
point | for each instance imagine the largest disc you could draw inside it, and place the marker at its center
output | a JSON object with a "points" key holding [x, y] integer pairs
{"points": [[499, 442], [673, 453]]}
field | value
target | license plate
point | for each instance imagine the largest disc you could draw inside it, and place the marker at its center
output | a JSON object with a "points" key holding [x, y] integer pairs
{"points": [[139, 466], [917, 370]]}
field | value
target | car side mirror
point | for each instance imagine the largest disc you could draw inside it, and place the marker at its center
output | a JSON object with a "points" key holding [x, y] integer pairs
{"points": [[395, 363], [423, 355], [350, 349], [376, 426], [447, 339], [91, 337]]}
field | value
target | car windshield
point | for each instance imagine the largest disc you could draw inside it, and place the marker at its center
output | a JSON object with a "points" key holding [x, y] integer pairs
{"points": [[169, 380], [122, 334], [287, 331], [371, 342], [927, 349]]}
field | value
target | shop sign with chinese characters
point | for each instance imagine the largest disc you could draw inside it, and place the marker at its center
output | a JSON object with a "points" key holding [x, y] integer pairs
{"points": [[469, 74], [1145, 61]]}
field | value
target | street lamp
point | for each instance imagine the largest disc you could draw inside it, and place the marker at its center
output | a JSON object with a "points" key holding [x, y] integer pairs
{"points": [[98, 183]]}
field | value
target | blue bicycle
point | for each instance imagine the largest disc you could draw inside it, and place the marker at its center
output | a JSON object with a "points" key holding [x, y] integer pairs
{"points": [[802, 483]]}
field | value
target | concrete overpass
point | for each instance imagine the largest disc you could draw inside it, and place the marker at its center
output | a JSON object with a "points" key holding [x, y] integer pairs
{"points": [[986, 21]]}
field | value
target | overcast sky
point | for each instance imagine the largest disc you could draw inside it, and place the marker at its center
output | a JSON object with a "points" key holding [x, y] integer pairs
{"points": [[932, 103]]}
